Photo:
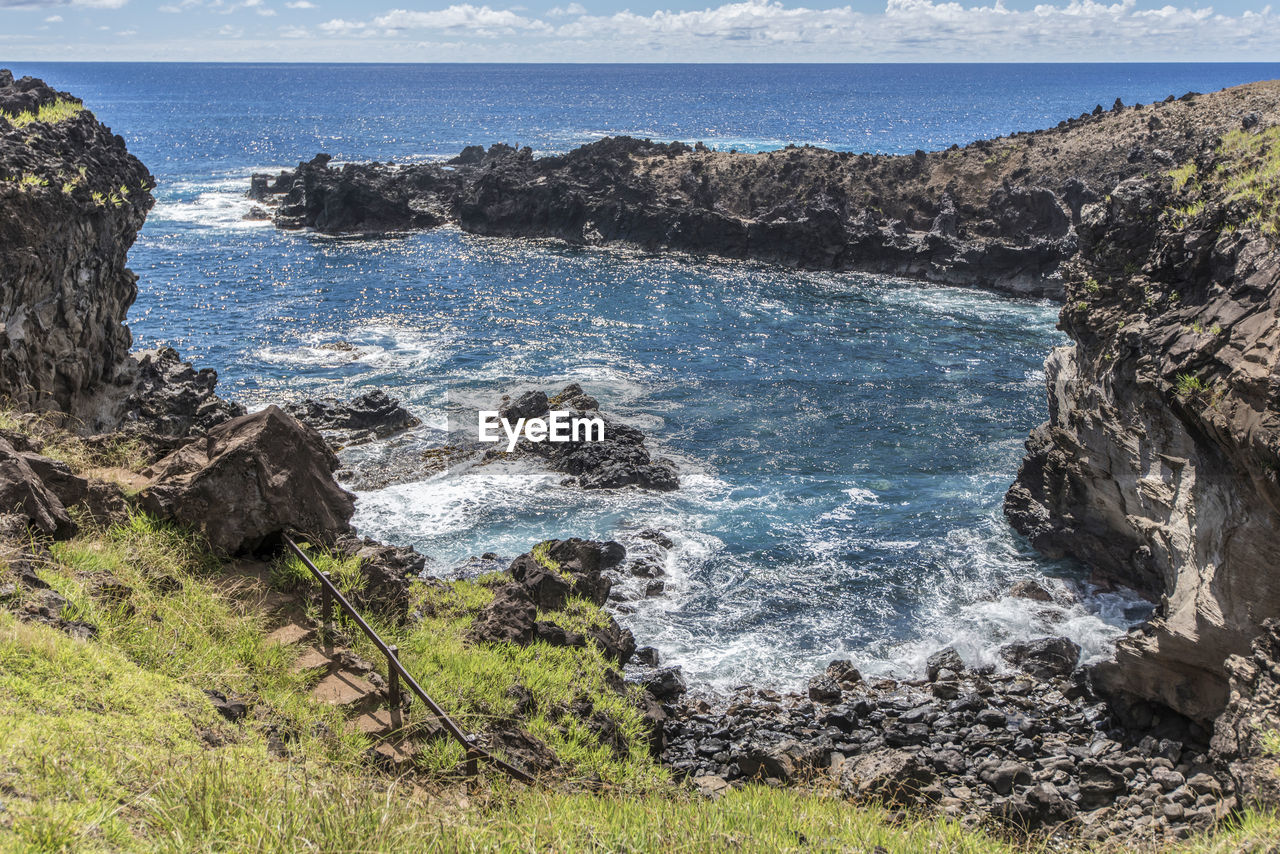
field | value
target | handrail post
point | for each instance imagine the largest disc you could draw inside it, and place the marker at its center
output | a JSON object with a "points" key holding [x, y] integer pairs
{"points": [[326, 611], [393, 685], [329, 594], [472, 767]]}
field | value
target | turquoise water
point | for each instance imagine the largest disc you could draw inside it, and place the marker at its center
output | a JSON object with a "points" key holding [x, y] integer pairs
{"points": [[844, 441]]}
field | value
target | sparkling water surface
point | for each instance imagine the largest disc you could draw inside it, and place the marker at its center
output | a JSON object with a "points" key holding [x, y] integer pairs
{"points": [[844, 441]]}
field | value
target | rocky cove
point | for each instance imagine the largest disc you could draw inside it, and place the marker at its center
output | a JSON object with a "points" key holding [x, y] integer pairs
{"points": [[1167, 741]]}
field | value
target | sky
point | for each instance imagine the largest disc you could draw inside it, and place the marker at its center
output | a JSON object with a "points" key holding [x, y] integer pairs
{"points": [[637, 31]]}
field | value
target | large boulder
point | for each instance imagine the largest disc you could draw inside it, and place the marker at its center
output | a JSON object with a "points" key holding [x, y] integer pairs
{"points": [[23, 492], [896, 777], [1043, 658], [252, 478]]}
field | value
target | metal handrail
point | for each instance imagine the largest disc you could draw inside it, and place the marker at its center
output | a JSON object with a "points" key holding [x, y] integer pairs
{"points": [[396, 671]]}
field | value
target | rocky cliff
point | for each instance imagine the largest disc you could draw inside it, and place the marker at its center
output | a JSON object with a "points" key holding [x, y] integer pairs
{"points": [[72, 200], [1159, 464], [999, 213]]}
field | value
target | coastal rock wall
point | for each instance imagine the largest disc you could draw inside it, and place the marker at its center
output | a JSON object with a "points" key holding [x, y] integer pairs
{"points": [[72, 200], [1000, 214], [1159, 464]]}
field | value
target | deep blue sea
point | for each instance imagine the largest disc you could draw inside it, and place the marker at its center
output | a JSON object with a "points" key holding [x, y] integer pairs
{"points": [[844, 441]]}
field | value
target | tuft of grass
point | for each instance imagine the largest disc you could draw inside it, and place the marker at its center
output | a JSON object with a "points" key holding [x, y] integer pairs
{"points": [[1182, 174], [1189, 385], [289, 574], [58, 111]]}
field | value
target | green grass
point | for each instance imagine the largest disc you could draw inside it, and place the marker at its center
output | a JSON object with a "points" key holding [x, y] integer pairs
{"points": [[1245, 176], [58, 111], [1182, 175], [1189, 385], [111, 745]]}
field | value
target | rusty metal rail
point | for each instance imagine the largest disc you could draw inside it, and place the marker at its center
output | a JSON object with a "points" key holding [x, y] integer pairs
{"points": [[396, 672]]}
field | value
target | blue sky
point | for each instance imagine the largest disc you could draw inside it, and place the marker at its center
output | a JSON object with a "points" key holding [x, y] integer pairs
{"points": [[637, 30]]}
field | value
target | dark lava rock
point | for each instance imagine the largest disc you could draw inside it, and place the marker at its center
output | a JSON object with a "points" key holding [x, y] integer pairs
{"points": [[24, 493], [1044, 657], [252, 478], [617, 460], [557, 569], [509, 618], [945, 659], [366, 417], [823, 689], [665, 684]]}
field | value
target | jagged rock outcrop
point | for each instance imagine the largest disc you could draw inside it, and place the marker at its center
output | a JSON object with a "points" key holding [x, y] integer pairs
{"points": [[72, 200], [997, 213], [1160, 463], [24, 493], [368, 416], [545, 579], [249, 479], [615, 459]]}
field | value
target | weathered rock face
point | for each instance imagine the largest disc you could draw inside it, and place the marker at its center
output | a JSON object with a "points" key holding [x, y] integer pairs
{"points": [[250, 478], [1159, 464], [72, 199], [160, 399], [1246, 734], [23, 492], [997, 213]]}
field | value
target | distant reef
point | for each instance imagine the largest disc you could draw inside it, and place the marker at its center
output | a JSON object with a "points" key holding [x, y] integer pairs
{"points": [[1000, 214]]}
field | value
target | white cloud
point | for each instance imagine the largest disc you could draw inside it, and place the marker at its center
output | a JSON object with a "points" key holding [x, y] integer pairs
{"points": [[464, 16], [301, 4], [927, 30], [571, 9], [53, 19], [339, 26]]}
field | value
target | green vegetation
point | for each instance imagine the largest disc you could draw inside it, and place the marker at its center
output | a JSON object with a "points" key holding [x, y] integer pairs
{"points": [[1182, 175], [58, 111], [1189, 385], [1092, 285], [111, 745], [542, 554], [1245, 178]]}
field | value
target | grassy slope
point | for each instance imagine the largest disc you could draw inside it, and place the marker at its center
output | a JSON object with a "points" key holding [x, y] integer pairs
{"points": [[111, 745]]}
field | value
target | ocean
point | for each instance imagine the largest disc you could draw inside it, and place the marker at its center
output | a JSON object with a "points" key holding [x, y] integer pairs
{"points": [[844, 440]]}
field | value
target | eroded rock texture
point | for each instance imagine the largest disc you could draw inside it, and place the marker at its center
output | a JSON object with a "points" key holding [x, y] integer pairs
{"points": [[72, 199], [1158, 465]]}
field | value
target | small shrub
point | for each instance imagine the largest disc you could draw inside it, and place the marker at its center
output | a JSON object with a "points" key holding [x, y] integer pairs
{"points": [[1189, 385]]}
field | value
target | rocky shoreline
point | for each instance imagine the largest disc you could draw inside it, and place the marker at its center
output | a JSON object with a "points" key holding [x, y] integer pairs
{"points": [[1158, 465], [1000, 214]]}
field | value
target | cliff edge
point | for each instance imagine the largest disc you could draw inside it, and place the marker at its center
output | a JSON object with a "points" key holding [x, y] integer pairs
{"points": [[1160, 463]]}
